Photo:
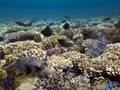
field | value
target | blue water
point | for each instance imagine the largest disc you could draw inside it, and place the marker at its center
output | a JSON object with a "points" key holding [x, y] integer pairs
{"points": [[58, 8]]}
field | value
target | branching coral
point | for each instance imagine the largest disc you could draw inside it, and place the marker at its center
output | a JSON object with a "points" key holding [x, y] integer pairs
{"points": [[35, 53], [57, 62], [19, 48], [50, 42]]}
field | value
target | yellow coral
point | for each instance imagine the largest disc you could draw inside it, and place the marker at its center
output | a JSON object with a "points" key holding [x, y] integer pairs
{"points": [[50, 42], [10, 59], [37, 36], [3, 74], [23, 79], [8, 49], [35, 53]]}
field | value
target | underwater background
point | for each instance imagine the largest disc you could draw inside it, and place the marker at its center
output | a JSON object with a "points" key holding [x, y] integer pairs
{"points": [[58, 8], [59, 44]]}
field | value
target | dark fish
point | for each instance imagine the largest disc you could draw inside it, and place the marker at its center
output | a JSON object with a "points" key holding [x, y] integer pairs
{"points": [[1, 39], [50, 23], [67, 17], [66, 26], [63, 21], [24, 24], [47, 31]]}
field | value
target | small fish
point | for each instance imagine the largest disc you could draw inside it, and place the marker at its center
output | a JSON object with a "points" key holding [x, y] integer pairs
{"points": [[67, 17], [24, 24]]}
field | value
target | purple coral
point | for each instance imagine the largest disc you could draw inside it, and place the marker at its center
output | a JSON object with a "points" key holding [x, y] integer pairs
{"points": [[53, 51], [97, 48]]}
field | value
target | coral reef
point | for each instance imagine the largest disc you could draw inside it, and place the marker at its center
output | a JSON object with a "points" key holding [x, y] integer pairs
{"points": [[84, 54]]}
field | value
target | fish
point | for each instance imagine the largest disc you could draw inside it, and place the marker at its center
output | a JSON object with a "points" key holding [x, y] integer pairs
{"points": [[24, 24]]}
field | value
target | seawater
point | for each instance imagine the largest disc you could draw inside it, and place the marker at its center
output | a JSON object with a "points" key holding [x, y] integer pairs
{"points": [[58, 8]]}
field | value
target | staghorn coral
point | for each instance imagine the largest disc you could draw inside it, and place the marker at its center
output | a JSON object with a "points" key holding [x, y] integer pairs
{"points": [[50, 42], [19, 36], [39, 53], [57, 62]]}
